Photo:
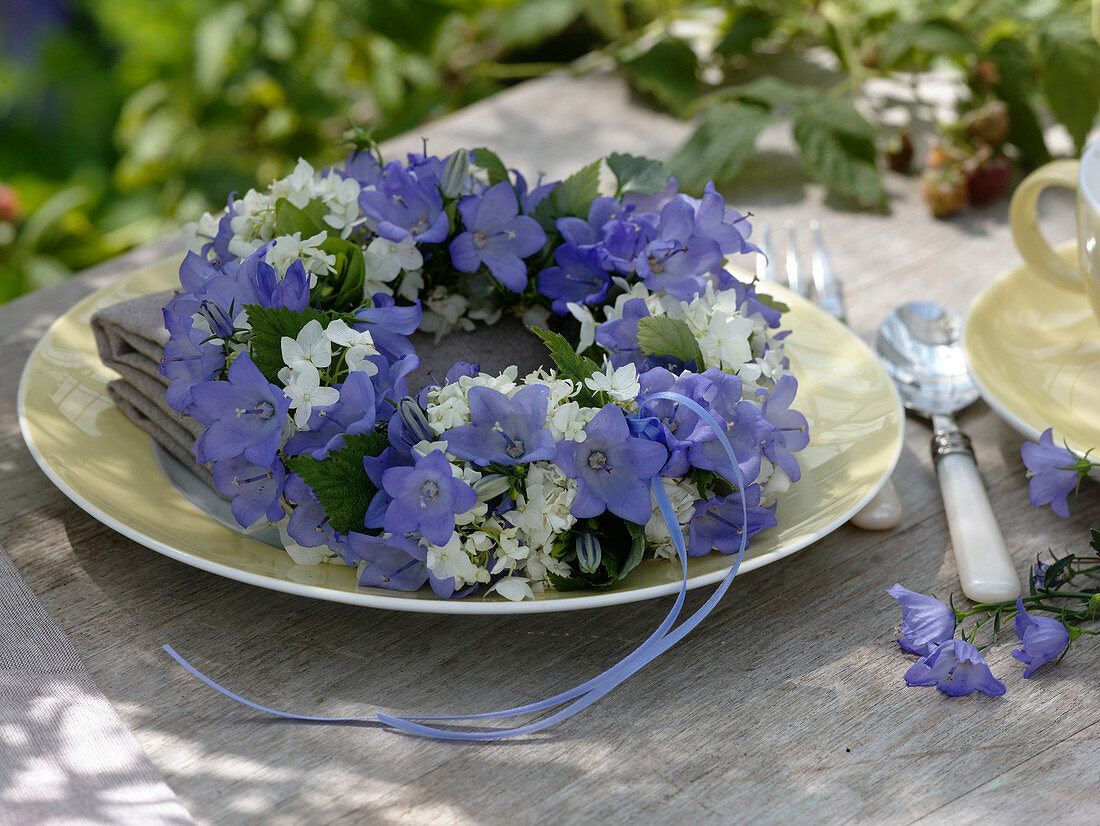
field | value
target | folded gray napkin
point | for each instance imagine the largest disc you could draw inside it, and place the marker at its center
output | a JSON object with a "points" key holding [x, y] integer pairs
{"points": [[65, 756], [130, 337]]}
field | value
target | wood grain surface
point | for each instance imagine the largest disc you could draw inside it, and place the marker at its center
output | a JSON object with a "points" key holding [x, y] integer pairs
{"points": [[786, 706]]}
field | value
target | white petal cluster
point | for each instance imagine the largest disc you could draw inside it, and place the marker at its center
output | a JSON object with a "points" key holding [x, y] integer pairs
{"points": [[385, 260], [286, 249], [621, 384], [682, 495], [543, 512], [359, 344]]}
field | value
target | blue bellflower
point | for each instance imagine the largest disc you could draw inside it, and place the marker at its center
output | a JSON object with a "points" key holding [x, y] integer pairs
{"points": [[243, 415], [426, 498], [1044, 639], [578, 278], [925, 621], [502, 430], [497, 236], [612, 468], [393, 562], [792, 431], [404, 206], [718, 524], [678, 260], [955, 667], [1053, 473], [188, 359], [255, 490]]}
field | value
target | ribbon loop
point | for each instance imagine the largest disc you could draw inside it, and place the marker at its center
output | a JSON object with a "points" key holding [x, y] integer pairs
{"points": [[581, 696]]}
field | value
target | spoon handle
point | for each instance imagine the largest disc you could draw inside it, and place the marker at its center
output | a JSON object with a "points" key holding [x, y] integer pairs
{"points": [[986, 570]]}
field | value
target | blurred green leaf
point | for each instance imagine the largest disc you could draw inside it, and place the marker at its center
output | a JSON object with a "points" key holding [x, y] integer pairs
{"points": [[751, 25], [668, 71], [607, 17], [937, 36], [838, 149], [721, 144], [1015, 84], [634, 174], [1071, 74], [214, 39], [531, 21]]}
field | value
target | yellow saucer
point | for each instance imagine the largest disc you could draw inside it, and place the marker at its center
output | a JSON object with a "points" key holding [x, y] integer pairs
{"points": [[106, 465], [1034, 351]]}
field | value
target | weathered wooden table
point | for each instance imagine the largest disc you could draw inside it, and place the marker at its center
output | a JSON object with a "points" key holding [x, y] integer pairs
{"points": [[786, 705]]}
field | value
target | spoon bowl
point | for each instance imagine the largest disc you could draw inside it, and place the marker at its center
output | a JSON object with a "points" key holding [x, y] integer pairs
{"points": [[919, 345]]}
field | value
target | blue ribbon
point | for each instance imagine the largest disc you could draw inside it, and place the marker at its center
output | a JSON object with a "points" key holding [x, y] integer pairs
{"points": [[579, 697]]}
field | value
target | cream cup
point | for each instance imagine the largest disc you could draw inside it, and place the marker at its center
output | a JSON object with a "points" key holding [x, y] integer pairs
{"points": [[1084, 176]]}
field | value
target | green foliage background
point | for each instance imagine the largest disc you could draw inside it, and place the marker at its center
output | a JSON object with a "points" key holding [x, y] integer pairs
{"points": [[121, 119]]}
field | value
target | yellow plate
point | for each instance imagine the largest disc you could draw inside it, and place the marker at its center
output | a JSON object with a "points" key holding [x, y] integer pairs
{"points": [[106, 465], [1034, 351]]}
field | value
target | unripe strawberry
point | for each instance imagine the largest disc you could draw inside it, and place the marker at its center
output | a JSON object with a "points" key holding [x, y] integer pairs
{"points": [[988, 124], [899, 152], [944, 190]]}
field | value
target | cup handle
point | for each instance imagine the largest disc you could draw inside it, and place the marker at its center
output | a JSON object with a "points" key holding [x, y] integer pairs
{"points": [[1023, 218]]}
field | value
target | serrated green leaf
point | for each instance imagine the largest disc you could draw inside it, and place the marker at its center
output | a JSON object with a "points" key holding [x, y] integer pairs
{"points": [[339, 480], [663, 336], [922, 39], [637, 174], [573, 196], [269, 325], [571, 366], [342, 289], [1070, 60], [751, 25], [721, 144], [838, 149], [308, 221], [668, 71], [491, 163]]}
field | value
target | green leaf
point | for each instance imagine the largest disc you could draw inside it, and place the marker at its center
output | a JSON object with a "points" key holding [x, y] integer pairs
{"points": [[1054, 570], [662, 336], [668, 71], [1015, 84], [1070, 60], [636, 174], [341, 290], [838, 149], [768, 90], [308, 221], [752, 25], [773, 302], [269, 325], [491, 163], [534, 21], [339, 480], [637, 549], [571, 366], [930, 38], [607, 17], [721, 144], [573, 196]]}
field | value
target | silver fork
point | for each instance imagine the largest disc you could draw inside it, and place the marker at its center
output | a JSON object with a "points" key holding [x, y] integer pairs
{"points": [[823, 288]]}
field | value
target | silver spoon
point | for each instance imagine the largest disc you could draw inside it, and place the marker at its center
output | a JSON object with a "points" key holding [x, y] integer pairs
{"points": [[919, 346]]}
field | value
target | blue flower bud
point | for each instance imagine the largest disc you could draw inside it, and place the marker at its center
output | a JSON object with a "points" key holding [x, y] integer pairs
{"points": [[491, 486], [415, 422], [589, 553], [455, 174]]}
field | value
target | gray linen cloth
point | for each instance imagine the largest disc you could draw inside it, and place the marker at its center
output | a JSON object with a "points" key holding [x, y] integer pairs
{"points": [[65, 756], [131, 338]]}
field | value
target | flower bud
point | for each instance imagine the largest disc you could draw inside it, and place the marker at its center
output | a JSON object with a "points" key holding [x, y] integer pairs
{"points": [[589, 553], [455, 174], [415, 422], [491, 486]]}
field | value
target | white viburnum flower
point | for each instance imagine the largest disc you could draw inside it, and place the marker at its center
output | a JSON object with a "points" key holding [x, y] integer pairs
{"points": [[451, 560], [588, 325], [682, 494], [305, 393], [312, 348], [287, 249], [360, 346], [622, 384], [297, 187], [386, 259], [514, 588]]}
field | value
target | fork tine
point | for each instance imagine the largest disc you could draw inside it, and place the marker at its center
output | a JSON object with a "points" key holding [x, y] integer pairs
{"points": [[795, 279], [827, 290], [765, 264]]}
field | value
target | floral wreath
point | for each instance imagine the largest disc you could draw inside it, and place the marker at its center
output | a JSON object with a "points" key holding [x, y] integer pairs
{"points": [[289, 343]]}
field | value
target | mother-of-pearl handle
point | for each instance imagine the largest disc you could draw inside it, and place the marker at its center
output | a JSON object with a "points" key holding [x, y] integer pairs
{"points": [[986, 571]]}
